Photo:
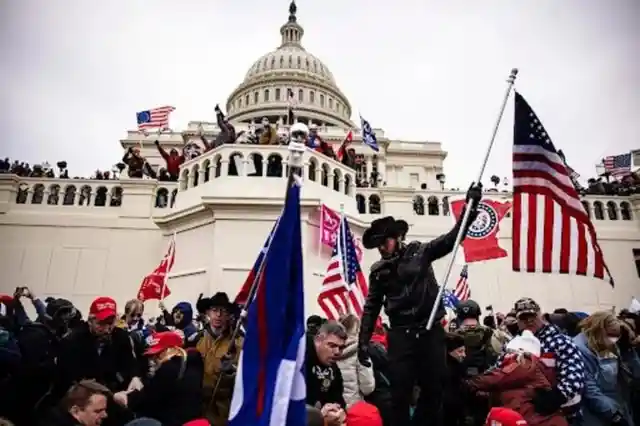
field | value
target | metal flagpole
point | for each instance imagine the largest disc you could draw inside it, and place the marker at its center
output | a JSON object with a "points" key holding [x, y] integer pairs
{"points": [[510, 81]]}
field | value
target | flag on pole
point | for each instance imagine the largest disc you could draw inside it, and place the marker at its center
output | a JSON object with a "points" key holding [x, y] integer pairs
{"points": [[462, 291], [618, 165], [342, 151], [243, 294], [154, 118], [368, 135], [449, 300], [154, 285], [552, 232], [291, 104], [344, 288], [270, 386]]}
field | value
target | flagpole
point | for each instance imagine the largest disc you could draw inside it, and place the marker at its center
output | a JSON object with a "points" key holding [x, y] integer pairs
{"points": [[172, 250], [343, 255], [463, 225], [297, 151]]}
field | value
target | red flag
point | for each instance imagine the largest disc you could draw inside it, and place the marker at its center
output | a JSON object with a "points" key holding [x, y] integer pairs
{"points": [[154, 285], [345, 144], [481, 242]]}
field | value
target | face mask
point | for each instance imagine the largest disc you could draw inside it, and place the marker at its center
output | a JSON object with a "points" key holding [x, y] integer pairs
{"points": [[613, 340]]}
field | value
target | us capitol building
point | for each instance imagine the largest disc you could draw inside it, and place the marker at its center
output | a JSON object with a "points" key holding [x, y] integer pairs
{"points": [[84, 238]]}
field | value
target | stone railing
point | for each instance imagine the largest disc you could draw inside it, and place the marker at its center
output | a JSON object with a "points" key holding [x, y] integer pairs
{"points": [[372, 201], [264, 162]]}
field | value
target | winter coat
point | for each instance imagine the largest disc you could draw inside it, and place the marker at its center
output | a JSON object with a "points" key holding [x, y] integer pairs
{"points": [[357, 380], [324, 382], [82, 356], [186, 325], [212, 350], [607, 381], [269, 136], [381, 396], [59, 417], [515, 384], [173, 394], [173, 161]]}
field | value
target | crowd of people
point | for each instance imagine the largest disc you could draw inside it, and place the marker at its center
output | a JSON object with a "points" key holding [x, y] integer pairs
{"points": [[106, 368]]}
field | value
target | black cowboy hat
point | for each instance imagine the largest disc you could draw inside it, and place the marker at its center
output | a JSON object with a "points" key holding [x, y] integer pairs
{"points": [[380, 229], [219, 300]]}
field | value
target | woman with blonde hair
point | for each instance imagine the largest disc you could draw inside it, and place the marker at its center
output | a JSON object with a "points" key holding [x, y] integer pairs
{"points": [[611, 368], [358, 379]]}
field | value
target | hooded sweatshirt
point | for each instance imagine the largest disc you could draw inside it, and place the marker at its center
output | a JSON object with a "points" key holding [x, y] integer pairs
{"points": [[186, 325], [357, 380]]}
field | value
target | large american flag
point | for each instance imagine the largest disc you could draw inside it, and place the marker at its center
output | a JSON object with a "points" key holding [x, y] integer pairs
{"points": [[344, 288], [154, 118], [462, 291], [552, 232], [618, 165]]}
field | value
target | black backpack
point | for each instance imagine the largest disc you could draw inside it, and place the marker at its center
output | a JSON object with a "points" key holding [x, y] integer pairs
{"points": [[37, 346]]}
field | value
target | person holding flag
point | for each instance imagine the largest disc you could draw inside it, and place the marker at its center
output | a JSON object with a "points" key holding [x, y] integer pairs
{"points": [[403, 280]]}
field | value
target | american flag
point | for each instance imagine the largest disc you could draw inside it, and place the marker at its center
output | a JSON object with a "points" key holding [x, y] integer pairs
{"points": [[462, 292], [154, 118], [618, 165], [344, 288], [552, 232]]}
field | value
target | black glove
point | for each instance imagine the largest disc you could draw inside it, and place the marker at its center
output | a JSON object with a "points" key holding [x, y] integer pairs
{"points": [[548, 401], [474, 194], [226, 365], [619, 420], [156, 142], [363, 355]]}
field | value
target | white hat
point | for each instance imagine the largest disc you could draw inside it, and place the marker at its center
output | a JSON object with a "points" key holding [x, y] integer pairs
{"points": [[526, 342]]}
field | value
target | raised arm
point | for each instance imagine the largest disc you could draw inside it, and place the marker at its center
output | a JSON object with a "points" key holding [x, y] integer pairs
{"points": [[380, 272]]}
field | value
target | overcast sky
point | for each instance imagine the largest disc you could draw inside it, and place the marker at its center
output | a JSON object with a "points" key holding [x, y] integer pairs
{"points": [[74, 72]]}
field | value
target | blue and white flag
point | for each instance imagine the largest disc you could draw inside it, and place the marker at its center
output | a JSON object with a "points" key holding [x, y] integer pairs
{"points": [[368, 135], [449, 300], [270, 388]]}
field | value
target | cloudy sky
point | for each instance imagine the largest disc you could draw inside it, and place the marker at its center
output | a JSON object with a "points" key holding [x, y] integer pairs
{"points": [[73, 72]]}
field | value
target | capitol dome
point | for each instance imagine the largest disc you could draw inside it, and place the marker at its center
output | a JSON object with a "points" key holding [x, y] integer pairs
{"points": [[290, 72]]}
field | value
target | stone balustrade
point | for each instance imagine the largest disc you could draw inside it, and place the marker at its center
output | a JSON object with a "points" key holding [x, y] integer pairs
{"points": [[260, 162], [264, 161]]}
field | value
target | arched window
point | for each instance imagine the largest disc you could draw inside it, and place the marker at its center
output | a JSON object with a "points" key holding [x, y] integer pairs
{"points": [[299, 62], [313, 166], [195, 174], [281, 62], [434, 209], [85, 196], [274, 165], [206, 165], [300, 95], [325, 175], [374, 204], [174, 195], [587, 207], [445, 206], [38, 194], [255, 97], [598, 210], [246, 100], [23, 192], [418, 205], [290, 61], [277, 94], [100, 200], [162, 198], [312, 96], [266, 95], [625, 210], [116, 197], [612, 210], [337, 177], [255, 163], [184, 180], [273, 62], [235, 164], [361, 204], [218, 166], [54, 195], [347, 184], [322, 100], [69, 196]]}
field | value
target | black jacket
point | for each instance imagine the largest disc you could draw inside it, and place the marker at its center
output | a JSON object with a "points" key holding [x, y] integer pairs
{"points": [[80, 357], [324, 383], [170, 397], [406, 285]]}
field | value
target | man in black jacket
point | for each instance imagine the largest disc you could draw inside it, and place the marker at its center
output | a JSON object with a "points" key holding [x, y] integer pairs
{"points": [[323, 377], [403, 280]]}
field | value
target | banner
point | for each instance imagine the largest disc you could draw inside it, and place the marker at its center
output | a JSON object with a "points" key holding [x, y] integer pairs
{"points": [[481, 242], [329, 226]]}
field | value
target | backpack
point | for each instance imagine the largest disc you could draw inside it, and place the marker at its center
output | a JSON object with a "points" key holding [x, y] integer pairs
{"points": [[37, 346]]}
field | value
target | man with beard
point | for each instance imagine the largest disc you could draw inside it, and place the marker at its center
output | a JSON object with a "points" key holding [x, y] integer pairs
{"points": [[403, 280], [98, 350], [220, 356]]}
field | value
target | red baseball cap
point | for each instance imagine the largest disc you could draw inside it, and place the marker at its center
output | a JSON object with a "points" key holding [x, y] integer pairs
{"points": [[198, 422], [500, 416], [363, 414], [103, 308], [164, 340]]}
